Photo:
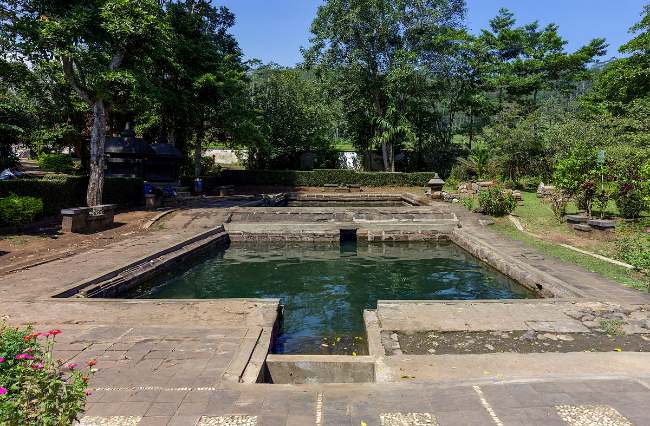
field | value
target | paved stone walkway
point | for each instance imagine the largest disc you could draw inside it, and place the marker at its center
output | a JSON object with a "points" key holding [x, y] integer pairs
{"points": [[593, 286], [588, 402]]}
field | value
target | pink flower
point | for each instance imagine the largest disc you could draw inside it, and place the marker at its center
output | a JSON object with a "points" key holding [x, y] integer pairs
{"points": [[37, 366], [88, 393], [3, 391], [54, 332], [24, 356], [2, 360], [72, 366]]}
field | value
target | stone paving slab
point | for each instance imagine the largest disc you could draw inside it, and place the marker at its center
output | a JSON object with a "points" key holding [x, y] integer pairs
{"points": [[512, 366], [147, 344], [539, 315], [222, 314]]}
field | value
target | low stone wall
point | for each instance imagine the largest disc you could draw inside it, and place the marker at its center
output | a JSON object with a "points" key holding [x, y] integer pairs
{"points": [[141, 270], [333, 236], [312, 369], [539, 281]]}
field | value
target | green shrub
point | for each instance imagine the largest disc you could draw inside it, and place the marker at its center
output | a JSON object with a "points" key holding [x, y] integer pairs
{"points": [[64, 191], [35, 389], [209, 166], [318, 177], [16, 210], [59, 163], [631, 203], [468, 202], [496, 202], [559, 203], [635, 250]]}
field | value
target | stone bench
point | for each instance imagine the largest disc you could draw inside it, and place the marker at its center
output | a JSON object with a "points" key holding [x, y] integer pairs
{"points": [[84, 220], [584, 224], [575, 219], [602, 224]]}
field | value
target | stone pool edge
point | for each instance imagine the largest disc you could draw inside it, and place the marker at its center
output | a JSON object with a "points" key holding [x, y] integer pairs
{"points": [[252, 363]]}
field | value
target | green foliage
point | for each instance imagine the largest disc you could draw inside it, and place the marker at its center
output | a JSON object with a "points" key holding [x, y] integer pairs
{"points": [[575, 172], [292, 96], [387, 55], [627, 79], [16, 210], [529, 59], [632, 181], [315, 178], [209, 166], [59, 163], [61, 191], [98, 46], [635, 250], [36, 388], [645, 182], [630, 202], [477, 163], [496, 202], [469, 203], [559, 203]]}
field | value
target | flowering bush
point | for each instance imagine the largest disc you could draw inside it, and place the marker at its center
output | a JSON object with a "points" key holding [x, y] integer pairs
{"points": [[35, 389], [496, 202]]}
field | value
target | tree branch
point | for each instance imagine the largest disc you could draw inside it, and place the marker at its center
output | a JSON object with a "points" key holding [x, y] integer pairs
{"points": [[68, 72]]}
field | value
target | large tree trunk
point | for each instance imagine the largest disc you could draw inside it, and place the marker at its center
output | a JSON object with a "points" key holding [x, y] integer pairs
{"points": [[198, 151], [384, 154], [97, 160]]}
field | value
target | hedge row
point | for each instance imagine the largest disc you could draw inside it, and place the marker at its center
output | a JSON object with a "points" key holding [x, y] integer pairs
{"points": [[62, 191], [314, 178]]}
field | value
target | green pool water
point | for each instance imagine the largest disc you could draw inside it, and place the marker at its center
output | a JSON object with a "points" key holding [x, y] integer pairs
{"points": [[325, 288]]}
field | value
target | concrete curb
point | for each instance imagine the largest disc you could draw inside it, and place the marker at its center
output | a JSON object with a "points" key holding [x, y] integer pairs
{"points": [[157, 218]]}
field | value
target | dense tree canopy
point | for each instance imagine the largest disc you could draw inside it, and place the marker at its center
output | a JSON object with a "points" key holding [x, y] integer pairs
{"points": [[402, 79]]}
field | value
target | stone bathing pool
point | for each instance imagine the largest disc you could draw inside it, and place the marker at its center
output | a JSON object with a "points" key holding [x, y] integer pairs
{"points": [[324, 288]]}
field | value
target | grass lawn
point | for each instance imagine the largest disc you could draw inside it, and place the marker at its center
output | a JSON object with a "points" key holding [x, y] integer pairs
{"points": [[537, 218]]}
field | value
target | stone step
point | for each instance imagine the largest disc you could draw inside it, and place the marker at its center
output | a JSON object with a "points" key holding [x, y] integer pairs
{"points": [[582, 227]]}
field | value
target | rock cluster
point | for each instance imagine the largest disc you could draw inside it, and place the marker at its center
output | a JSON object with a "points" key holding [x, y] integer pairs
{"points": [[627, 320], [544, 191]]}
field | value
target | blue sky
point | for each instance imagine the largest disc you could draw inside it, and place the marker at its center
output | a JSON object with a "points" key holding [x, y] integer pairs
{"points": [[274, 30]]}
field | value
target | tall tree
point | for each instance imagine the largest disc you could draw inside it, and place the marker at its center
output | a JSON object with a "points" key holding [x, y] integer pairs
{"points": [[357, 44], [626, 80], [295, 117], [95, 43], [201, 88], [529, 59]]}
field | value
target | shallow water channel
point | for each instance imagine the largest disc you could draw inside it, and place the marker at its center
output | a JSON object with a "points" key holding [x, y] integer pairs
{"points": [[325, 288]]}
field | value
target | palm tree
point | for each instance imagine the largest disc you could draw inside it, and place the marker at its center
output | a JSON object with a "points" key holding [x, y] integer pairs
{"points": [[478, 159], [389, 131]]}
